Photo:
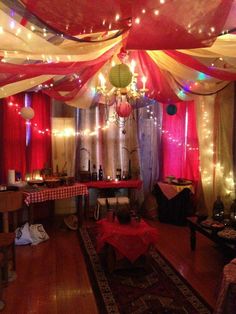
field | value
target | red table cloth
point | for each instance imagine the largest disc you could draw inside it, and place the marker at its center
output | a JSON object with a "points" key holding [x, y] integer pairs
{"points": [[131, 240], [171, 190], [49, 194], [122, 184]]}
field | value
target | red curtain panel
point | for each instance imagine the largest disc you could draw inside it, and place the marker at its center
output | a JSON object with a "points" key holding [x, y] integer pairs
{"points": [[180, 154], [13, 130], [40, 146]]}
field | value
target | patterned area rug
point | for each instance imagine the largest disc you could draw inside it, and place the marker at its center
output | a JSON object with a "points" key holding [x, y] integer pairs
{"points": [[157, 288]]}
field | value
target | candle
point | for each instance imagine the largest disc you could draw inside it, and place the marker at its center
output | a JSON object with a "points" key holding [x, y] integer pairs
{"points": [[144, 80], [11, 176], [108, 178], [116, 179], [132, 66], [102, 81]]}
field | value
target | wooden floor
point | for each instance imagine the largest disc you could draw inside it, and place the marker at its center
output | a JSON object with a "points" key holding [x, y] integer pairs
{"points": [[52, 277]]}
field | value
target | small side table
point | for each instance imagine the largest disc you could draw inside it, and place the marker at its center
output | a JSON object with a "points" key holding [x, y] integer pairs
{"points": [[130, 241]]}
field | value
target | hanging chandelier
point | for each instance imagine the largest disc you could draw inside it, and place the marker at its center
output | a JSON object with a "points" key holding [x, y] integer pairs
{"points": [[121, 91]]}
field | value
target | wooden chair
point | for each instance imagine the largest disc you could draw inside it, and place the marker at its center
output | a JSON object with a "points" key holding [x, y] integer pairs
{"points": [[104, 203], [10, 201]]}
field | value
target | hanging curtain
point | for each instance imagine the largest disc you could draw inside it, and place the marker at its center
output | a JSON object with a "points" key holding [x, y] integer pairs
{"points": [[149, 135], [1, 141], [111, 147], [215, 118], [13, 139], [179, 142], [40, 147]]}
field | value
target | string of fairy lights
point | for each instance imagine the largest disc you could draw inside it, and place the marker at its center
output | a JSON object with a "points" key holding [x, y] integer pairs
{"points": [[70, 132], [210, 167]]}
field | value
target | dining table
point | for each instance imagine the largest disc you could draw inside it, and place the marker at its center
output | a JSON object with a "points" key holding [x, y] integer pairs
{"points": [[39, 194], [110, 188]]}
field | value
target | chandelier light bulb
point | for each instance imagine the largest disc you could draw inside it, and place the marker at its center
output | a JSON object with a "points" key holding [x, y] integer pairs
{"points": [[132, 66], [144, 81]]}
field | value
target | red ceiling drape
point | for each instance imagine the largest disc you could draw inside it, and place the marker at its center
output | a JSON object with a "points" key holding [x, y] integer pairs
{"points": [[157, 84], [153, 24]]}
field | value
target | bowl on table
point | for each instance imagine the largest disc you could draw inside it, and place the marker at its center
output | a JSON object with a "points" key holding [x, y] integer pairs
{"points": [[53, 183], [67, 180], [35, 182]]}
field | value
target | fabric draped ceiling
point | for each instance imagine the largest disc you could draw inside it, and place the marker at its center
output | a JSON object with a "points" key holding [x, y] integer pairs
{"points": [[84, 16]]}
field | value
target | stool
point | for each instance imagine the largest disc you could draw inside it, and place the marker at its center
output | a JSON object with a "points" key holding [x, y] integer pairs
{"points": [[10, 201], [104, 203], [7, 249]]}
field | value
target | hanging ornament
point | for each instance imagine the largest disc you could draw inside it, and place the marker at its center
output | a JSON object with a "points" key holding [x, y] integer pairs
{"points": [[27, 113], [120, 75], [122, 55], [171, 109], [123, 109]]}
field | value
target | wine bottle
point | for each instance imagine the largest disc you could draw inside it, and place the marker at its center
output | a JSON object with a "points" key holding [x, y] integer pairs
{"points": [[94, 174], [100, 173]]}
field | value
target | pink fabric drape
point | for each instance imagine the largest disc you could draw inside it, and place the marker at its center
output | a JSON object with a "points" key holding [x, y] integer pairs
{"points": [[59, 68], [196, 65], [73, 85], [40, 147], [13, 148], [167, 26], [163, 22], [158, 87], [180, 155]]}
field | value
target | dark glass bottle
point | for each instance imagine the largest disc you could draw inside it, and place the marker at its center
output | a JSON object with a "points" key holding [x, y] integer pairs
{"points": [[218, 209], [100, 173], [118, 174], [94, 174]]}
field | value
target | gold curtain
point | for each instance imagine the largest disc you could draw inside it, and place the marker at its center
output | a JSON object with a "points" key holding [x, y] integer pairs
{"points": [[215, 131]]}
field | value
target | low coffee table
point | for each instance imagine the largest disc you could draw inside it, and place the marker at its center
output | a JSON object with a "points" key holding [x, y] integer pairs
{"points": [[227, 245]]}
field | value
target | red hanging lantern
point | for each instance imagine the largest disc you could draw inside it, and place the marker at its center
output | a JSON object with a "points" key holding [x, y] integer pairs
{"points": [[123, 109]]}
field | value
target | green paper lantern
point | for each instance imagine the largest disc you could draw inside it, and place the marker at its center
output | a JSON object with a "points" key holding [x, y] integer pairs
{"points": [[120, 75]]}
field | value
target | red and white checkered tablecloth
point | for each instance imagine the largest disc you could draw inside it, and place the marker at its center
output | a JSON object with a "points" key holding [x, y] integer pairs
{"points": [[226, 301], [49, 194]]}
